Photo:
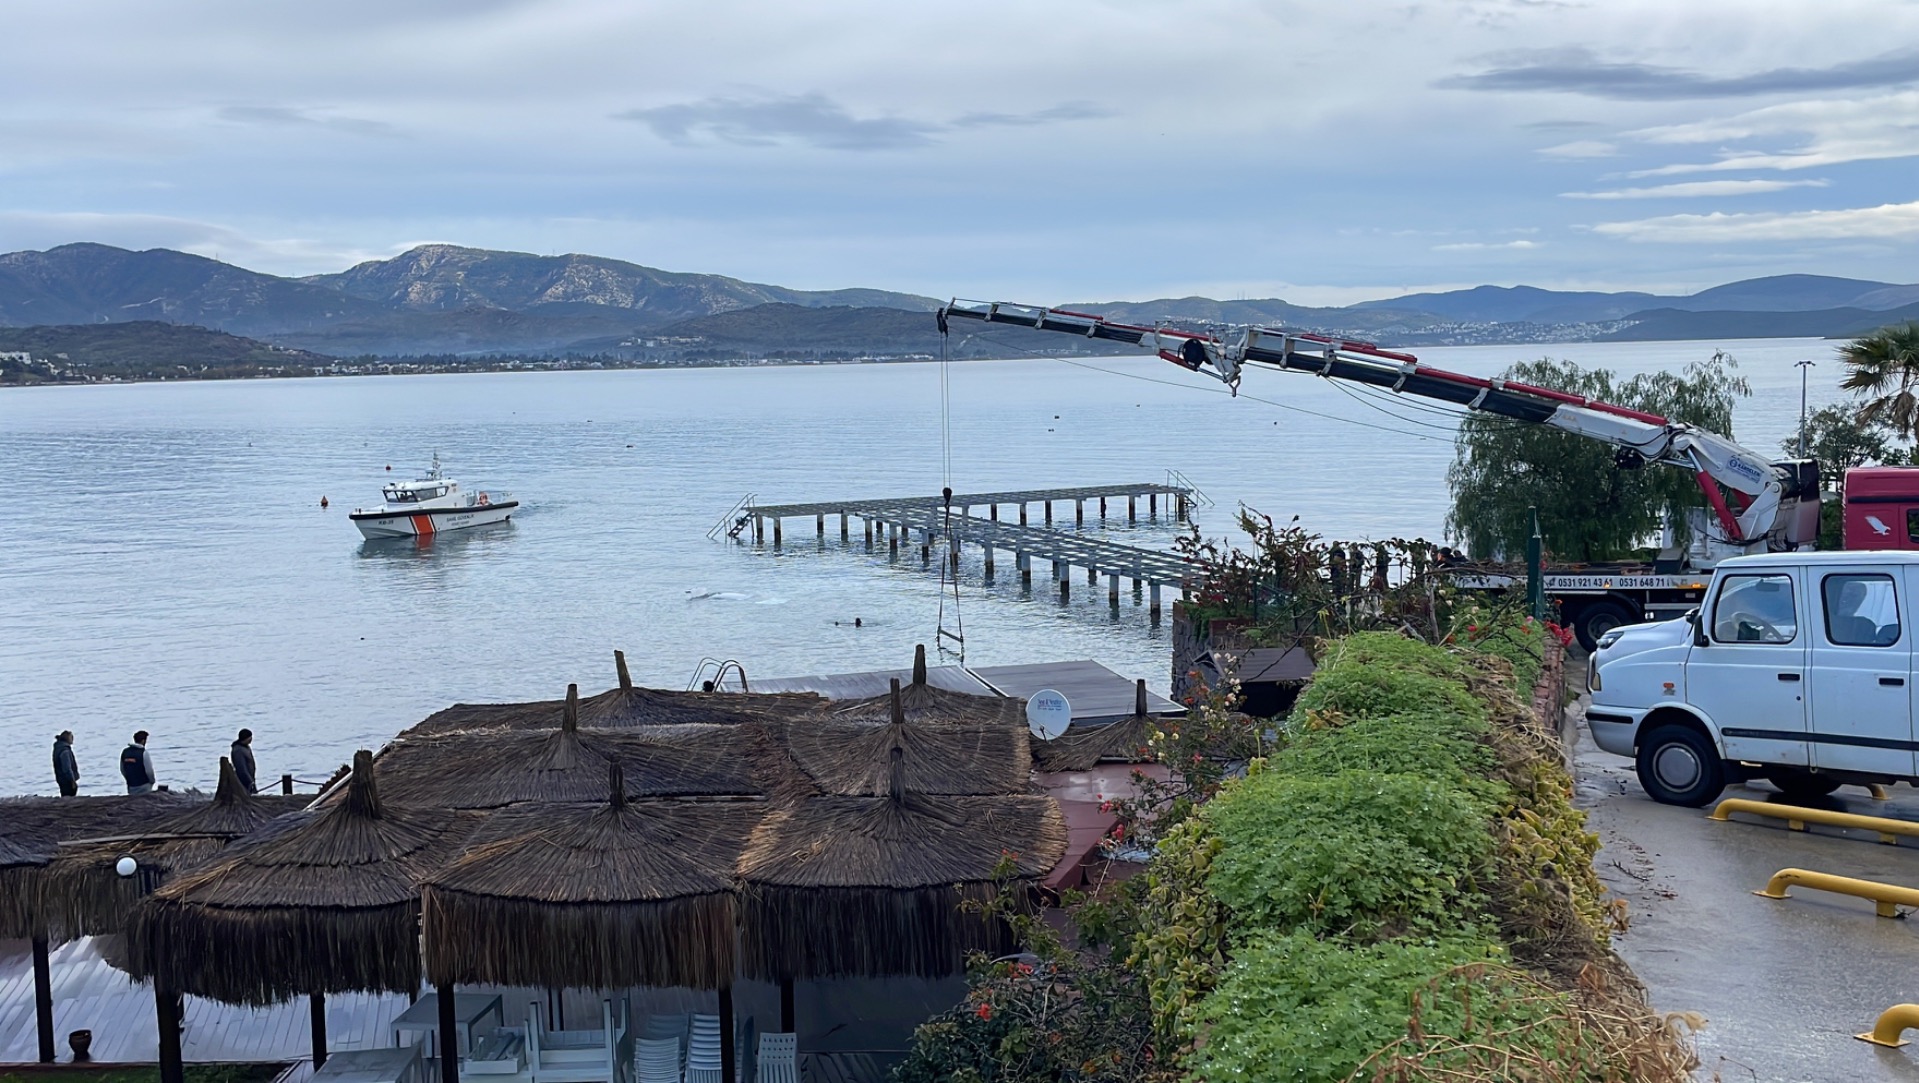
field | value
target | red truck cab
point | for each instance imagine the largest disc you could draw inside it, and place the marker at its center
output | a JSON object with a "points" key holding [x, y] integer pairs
{"points": [[1882, 507]]}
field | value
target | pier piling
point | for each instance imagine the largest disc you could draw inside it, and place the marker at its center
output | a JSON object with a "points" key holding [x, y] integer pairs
{"points": [[1132, 509], [819, 526], [1112, 590], [1079, 513], [776, 531], [1022, 515]]}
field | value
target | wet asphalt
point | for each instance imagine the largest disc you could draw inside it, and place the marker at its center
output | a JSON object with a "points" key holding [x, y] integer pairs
{"points": [[1783, 985]]}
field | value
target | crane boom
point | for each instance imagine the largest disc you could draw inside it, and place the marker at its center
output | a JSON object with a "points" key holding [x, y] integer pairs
{"points": [[1778, 502]]}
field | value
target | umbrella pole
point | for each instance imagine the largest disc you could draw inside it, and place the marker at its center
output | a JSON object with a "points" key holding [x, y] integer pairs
{"points": [[729, 1055], [449, 1035], [316, 1017], [166, 1012], [786, 1005], [43, 996]]}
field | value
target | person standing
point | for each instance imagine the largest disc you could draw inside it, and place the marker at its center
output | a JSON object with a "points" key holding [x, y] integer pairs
{"points": [[66, 770], [136, 766], [242, 757]]}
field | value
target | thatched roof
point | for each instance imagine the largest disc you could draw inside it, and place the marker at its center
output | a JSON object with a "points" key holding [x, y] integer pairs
{"points": [[871, 886], [924, 702], [600, 896], [623, 706], [494, 768], [32, 829], [1081, 748], [81, 892], [322, 901], [851, 758]]}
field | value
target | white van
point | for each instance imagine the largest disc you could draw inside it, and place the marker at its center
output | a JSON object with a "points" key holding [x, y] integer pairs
{"points": [[1796, 668]]}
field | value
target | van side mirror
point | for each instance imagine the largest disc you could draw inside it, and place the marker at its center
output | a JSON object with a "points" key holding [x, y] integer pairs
{"points": [[1698, 622]]}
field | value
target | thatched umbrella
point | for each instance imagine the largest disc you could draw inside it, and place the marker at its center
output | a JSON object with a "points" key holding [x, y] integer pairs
{"points": [[82, 892], [31, 831], [1081, 748], [621, 707], [924, 702], [494, 768], [839, 886], [852, 757]]}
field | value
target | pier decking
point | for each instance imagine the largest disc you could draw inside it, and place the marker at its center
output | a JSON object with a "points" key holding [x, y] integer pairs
{"points": [[921, 520]]}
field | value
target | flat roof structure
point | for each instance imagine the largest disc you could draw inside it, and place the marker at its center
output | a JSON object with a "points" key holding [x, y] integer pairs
{"points": [[1096, 693]]}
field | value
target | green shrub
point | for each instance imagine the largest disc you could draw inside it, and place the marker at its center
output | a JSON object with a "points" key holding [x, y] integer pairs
{"points": [[1292, 1009], [1381, 678], [1353, 854], [1440, 745]]}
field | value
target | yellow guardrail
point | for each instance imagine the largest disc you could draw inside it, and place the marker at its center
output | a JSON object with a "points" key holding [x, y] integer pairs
{"points": [[1797, 818], [1892, 1022], [1884, 896]]}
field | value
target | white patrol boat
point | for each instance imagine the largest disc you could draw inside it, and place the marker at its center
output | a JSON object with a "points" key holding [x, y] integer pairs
{"points": [[432, 505]]}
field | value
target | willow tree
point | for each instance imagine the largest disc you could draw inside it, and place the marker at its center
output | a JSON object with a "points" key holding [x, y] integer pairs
{"points": [[1593, 505]]}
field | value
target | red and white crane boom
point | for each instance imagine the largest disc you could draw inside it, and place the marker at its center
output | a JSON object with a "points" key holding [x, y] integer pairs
{"points": [[1778, 502]]}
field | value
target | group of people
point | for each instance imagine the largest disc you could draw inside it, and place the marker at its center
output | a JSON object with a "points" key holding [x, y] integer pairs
{"points": [[136, 766]]}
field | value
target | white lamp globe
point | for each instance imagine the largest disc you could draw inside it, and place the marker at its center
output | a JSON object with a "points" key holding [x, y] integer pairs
{"points": [[126, 866]]}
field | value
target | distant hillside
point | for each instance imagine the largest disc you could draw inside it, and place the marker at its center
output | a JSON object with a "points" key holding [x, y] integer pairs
{"points": [[1670, 323], [141, 350], [442, 277], [1528, 304], [97, 283], [794, 331], [1270, 312]]}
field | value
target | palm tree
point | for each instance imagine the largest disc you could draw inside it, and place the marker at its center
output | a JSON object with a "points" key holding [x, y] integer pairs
{"points": [[1884, 366]]}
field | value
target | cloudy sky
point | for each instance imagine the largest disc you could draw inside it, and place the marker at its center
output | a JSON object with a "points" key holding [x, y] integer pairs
{"points": [[1077, 149]]}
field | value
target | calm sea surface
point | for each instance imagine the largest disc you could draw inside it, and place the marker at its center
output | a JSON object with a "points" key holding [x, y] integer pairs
{"points": [[167, 566]]}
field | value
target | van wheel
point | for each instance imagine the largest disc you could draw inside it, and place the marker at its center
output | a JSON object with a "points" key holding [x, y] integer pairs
{"points": [[1796, 782], [1598, 618], [1678, 765]]}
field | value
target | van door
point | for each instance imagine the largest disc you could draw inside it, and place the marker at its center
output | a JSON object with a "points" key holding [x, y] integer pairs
{"points": [[1861, 672], [1749, 678]]}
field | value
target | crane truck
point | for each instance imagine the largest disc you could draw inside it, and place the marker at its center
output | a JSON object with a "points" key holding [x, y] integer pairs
{"points": [[1753, 505]]}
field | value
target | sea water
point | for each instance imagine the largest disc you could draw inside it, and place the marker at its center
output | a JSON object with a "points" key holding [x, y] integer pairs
{"points": [[167, 565]]}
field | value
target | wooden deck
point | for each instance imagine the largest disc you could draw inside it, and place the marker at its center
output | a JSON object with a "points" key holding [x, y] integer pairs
{"points": [[89, 994]]}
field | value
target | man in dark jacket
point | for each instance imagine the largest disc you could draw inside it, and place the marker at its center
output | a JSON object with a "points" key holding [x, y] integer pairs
{"points": [[242, 757], [66, 772], [135, 766]]}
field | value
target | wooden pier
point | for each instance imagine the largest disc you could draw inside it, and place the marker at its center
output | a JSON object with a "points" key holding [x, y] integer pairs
{"points": [[921, 521]]}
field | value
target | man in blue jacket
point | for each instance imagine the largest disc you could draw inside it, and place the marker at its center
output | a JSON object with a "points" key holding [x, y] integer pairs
{"points": [[136, 766], [242, 758]]}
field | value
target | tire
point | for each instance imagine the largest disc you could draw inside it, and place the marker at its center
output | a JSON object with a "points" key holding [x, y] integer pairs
{"points": [[1678, 765], [1799, 783], [1598, 618]]}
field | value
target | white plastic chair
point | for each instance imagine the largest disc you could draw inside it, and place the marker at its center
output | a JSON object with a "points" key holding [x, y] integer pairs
{"points": [[656, 1060], [703, 1064], [779, 1057], [664, 1026], [573, 1056]]}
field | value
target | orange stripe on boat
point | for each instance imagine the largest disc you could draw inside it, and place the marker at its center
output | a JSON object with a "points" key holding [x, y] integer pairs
{"points": [[423, 524]]}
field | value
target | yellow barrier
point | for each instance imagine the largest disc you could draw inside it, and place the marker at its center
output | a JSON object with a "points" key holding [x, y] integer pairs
{"points": [[1892, 1022], [1883, 896], [1797, 818]]}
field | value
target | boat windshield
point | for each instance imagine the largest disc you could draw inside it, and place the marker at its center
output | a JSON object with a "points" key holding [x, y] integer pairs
{"points": [[398, 494]]}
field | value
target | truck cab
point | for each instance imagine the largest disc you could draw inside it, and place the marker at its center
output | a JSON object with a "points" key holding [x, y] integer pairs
{"points": [[1796, 668]]}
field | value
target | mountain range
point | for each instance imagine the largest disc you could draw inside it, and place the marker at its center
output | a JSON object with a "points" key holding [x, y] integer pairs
{"points": [[445, 299]]}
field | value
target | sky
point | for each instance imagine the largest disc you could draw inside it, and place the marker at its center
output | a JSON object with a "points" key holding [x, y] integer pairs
{"points": [[1072, 150]]}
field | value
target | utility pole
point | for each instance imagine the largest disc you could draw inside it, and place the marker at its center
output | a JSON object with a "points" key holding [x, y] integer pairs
{"points": [[1804, 368]]}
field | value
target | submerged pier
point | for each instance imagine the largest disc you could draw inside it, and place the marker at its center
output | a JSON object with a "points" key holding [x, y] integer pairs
{"points": [[921, 521]]}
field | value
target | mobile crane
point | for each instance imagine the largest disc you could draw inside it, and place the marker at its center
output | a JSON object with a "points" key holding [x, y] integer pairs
{"points": [[1773, 506]]}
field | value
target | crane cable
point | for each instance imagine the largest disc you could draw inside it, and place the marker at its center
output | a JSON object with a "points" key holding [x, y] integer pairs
{"points": [[950, 558]]}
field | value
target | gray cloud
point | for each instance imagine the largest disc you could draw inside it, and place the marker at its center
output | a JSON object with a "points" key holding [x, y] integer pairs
{"points": [[1063, 111], [763, 119], [767, 120], [280, 116], [1580, 71]]}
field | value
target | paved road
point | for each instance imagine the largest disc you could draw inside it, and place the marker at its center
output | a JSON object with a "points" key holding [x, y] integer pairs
{"points": [[1784, 985]]}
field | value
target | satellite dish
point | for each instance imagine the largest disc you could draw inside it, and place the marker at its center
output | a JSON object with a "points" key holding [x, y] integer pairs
{"points": [[1048, 714]]}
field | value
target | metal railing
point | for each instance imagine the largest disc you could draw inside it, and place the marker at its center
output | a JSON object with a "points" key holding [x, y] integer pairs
{"points": [[1891, 1023], [1886, 898], [1797, 818]]}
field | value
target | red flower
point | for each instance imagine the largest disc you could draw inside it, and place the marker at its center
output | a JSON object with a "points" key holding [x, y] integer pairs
{"points": [[1025, 968], [985, 1010]]}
